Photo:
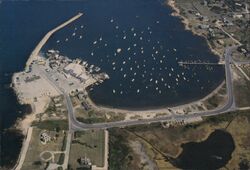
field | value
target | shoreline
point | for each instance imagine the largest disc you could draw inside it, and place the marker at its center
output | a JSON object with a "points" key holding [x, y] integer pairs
{"points": [[154, 110], [176, 13]]}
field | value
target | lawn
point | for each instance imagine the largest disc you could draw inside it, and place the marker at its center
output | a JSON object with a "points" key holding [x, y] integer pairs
{"points": [[90, 144], [32, 160]]}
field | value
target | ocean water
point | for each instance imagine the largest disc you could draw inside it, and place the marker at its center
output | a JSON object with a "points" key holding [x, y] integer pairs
{"points": [[139, 44], [146, 23], [22, 25]]}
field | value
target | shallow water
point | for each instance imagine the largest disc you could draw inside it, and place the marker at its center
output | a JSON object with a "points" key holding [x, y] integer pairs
{"points": [[138, 44]]}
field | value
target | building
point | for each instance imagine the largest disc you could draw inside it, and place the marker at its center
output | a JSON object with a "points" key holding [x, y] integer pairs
{"points": [[44, 138], [74, 69]]}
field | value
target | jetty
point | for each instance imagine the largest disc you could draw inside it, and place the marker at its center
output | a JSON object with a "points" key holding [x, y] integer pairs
{"points": [[36, 51]]}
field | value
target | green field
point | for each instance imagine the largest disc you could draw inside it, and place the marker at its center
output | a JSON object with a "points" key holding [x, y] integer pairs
{"points": [[90, 144], [32, 160]]}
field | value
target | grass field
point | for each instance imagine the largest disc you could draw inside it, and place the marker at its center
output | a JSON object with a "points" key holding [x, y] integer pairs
{"points": [[90, 144], [32, 160]]}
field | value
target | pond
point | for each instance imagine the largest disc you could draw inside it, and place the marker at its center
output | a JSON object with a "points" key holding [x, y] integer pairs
{"points": [[213, 153]]}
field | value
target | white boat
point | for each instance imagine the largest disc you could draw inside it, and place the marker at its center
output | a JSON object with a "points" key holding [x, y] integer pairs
{"points": [[138, 91], [100, 39], [118, 50], [81, 26], [131, 68], [174, 49], [94, 42], [57, 41], [66, 39], [113, 91], [117, 27], [134, 74], [125, 75], [156, 81], [128, 48], [80, 37], [124, 37], [124, 62], [157, 22], [134, 34], [111, 20], [133, 80], [73, 34], [134, 45], [140, 38]]}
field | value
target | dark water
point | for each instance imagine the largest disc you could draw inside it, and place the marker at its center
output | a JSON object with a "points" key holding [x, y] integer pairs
{"points": [[24, 23], [210, 154], [146, 72]]}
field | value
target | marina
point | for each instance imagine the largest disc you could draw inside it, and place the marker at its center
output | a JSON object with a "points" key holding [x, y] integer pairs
{"points": [[143, 66]]}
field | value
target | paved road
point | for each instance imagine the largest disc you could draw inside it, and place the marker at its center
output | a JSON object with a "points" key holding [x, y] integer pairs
{"points": [[229, 106]]}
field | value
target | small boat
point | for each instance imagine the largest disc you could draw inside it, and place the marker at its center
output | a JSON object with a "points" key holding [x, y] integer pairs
{"points": [[138, 91], [94, 42], [73, 34], [111, 20], [118, 50], [80, 37], [113, 91], [57, 41]]}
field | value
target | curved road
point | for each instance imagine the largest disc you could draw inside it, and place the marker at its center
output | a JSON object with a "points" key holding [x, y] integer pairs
{"points": [[229, 106]]}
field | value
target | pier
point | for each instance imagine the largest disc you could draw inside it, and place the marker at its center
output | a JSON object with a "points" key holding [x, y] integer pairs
{"points": [[35, 52], [181, 63]]}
